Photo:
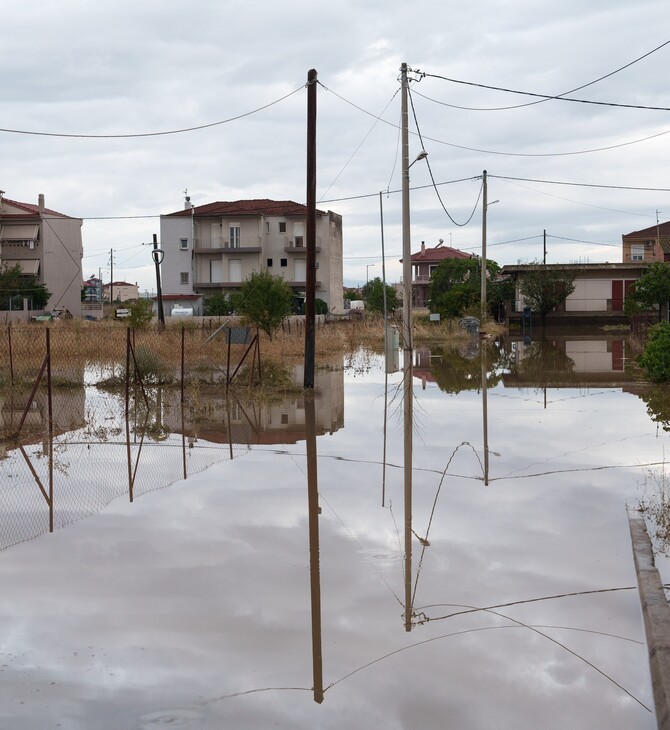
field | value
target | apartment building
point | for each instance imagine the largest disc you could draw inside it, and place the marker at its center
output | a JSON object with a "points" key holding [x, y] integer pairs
{"points": [[216, 246], [45, 244]]}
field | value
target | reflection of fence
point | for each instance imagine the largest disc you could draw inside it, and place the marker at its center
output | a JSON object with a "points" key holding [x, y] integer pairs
{"points": [[48, 408]]}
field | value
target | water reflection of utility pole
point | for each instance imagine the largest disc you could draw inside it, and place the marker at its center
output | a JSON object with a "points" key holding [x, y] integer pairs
{"points": [[485, 412], [314, 570], [407, 432]]}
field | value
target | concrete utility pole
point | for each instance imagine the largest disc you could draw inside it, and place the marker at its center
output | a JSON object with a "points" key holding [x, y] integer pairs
{"points": [[406, 242], [111, 276], [310, 233], [544, 249], [484, 206]]}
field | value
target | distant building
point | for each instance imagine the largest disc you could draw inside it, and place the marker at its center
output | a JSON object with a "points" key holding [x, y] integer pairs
{"points": [[91, 298], [649, 245], [215, 247], [424, 263], [45, 244], [121, 291], [600, 289]]}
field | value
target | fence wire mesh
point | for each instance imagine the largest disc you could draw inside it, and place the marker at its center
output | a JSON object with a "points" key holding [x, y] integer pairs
{"points": [[78, 428]]}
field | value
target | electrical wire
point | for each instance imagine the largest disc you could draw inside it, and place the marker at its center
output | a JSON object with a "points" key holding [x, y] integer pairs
{"points": [[430, 171], [580, 185], [153, 134], [507, 154], [558, 96], [548, 97]]}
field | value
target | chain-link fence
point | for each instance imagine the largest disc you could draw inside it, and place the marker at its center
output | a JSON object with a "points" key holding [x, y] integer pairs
{"points": [[88, 415]]}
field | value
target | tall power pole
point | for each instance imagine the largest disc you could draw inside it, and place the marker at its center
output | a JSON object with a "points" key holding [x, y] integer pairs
{"points": [[406, 243], [310, 233], [484, 206]]}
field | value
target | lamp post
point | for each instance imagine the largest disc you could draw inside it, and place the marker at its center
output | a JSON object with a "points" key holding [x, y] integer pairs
{"points": [[157, 255], [367, 272], [485, 205]]}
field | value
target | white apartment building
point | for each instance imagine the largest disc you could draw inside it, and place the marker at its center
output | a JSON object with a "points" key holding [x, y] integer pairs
{"points": [[215, 247]]}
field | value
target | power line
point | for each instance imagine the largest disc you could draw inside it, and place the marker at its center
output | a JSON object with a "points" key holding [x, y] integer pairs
{"points": [[547, 97], [153, 134], [430, 171], [505, 154], [578, 240], [582, 185], [558, 96]]}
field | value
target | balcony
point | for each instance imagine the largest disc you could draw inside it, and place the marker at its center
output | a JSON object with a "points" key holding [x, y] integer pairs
{"points": [[244, 245], [299, 244]]}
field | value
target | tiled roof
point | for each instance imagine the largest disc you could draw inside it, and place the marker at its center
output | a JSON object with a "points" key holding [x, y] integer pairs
{"points": [[261, 206], [663, 229], [439, 253], [31, 209]]}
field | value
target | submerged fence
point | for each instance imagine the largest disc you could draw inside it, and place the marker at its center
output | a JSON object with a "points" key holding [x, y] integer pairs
{"points": [[82, 411]]}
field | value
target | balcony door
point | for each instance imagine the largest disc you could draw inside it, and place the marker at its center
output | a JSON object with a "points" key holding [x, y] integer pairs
{"points": [[300, 270], [235, 270]]}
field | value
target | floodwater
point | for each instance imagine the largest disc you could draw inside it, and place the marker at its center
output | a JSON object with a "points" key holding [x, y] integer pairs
{"points": [[451, 555]]}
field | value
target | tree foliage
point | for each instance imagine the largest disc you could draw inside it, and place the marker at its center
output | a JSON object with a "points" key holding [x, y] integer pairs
{"points": [[141, 313], [15, 285], [264, 301], [455, 286], [373, 296], [217, 305], [544, 288], [656, 356], [652, 288]]}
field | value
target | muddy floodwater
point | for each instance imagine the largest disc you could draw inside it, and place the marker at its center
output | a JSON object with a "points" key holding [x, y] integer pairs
{"points": [[444, 545]]}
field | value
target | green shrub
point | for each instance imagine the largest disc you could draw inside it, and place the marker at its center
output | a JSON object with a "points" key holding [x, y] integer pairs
{"points": [[656, 356]]}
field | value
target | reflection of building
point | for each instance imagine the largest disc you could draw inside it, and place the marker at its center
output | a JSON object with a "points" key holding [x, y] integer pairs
{"points": [[213, 248], [68, 409], [266, 423], [424, 263], [568, 362], [648, 245], [46, 245]]}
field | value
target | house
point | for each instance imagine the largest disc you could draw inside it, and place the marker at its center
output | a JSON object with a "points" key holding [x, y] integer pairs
{"points": [[424, 263], [649, 245], [45, 244], [215, 247], [121, 291], [600, 289], [91, 298]]}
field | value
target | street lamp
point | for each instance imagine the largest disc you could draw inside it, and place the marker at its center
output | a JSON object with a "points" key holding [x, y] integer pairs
{"points": [[367, 272], [157, 254]]}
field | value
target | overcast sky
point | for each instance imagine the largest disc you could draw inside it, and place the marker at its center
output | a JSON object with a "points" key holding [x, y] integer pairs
{"points": [[123, 68]]}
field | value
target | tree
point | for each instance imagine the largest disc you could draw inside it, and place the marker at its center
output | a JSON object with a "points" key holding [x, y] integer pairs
{"points": [[264, 301], [373, 296], [15, 285], [141, 313], [545, 287], [217, 305], [455, 286], [652, 288], [656, 356]]}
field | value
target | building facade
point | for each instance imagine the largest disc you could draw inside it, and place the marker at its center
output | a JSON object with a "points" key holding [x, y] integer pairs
{"points": [[649, 245], [215, 247], [424, 263], [121, 291], [47, 245], [600, 289]]}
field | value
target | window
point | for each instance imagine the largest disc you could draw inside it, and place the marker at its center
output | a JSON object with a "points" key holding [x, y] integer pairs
{"points": [[267, 226], [637, 252], [284, 419], [282, 226], [269, 263], [234, 236], [183, 277], [284, 262], [183, 243]]}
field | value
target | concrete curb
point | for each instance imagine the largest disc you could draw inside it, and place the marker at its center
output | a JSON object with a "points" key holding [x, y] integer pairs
{"points": [[656, 613]]}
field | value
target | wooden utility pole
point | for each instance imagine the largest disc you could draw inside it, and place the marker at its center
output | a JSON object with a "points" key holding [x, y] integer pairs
{"points": [[483, 283], [310, 232], [111, 275], [544, 248]]}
